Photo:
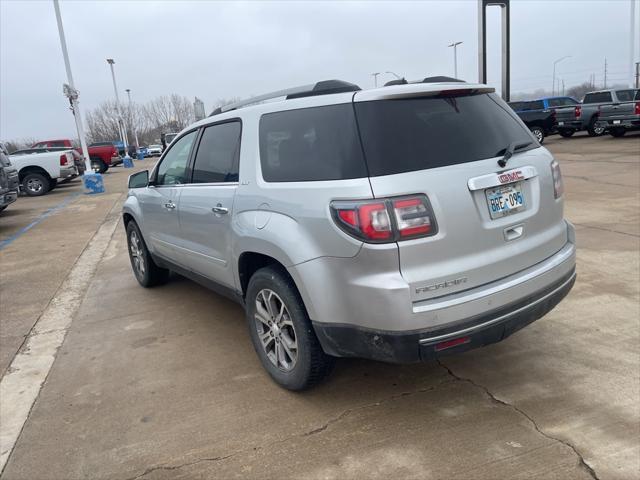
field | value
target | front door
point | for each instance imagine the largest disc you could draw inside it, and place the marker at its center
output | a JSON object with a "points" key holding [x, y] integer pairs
{"points": [[206, 204], [160, 201]]}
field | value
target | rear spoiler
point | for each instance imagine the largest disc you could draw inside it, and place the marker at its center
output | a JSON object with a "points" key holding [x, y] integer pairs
{"points": [[415, 90]]}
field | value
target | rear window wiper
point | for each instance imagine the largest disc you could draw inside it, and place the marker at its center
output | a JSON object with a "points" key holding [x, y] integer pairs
{"points": [[508, 152]]}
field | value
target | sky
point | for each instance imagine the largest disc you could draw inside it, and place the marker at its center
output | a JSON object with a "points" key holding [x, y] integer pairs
{"points": [[215, 49]]}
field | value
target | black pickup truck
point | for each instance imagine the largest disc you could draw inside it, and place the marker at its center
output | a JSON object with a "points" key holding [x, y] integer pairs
{"points": [[539, 115]]}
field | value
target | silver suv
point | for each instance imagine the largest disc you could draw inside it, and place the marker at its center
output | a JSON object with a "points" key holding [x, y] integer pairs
{"points": [[397, 224]]}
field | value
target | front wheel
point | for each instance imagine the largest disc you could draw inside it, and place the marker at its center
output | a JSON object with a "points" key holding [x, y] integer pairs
{"points": [[566, 133], [35, 184], [538, 133], [144, 268], [281, 331], [617, 132]]}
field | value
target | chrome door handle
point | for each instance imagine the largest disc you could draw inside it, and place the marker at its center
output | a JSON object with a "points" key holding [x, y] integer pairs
{"points": [[220, 210], [170, 205]]}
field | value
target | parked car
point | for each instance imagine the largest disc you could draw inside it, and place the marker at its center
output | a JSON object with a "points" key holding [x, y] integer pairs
{"points": [[101, 155], [154, 150], [538, 116], [8, 182], [356, 223], [77, 157], [624, 116], [584, 116], [40, 172], [143, 150]]}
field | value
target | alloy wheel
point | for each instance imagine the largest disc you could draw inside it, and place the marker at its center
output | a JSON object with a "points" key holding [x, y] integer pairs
{"points": [[275, 330], [34, 185], [135, 248]]}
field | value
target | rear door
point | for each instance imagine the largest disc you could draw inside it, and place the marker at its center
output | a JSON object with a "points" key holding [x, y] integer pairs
{"points": [[159, 202], [206, 203], [447, 146]]}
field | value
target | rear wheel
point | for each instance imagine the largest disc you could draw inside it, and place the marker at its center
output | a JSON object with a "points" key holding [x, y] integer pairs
{"points": [[617, 132], [35, 184], [281, 331], [538, 132], [144, 268], [98, 165], [594, 129], [566, 133]]}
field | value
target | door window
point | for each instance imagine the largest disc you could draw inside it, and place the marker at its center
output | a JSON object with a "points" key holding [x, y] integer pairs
{"points": [[217, 157], [173, 169]]}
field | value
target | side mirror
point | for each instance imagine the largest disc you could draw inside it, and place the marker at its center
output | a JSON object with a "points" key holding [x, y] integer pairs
{"points": [[139, 180]]}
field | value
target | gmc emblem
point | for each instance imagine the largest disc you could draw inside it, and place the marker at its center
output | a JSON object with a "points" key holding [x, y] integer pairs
{"points": [[509, 177]]}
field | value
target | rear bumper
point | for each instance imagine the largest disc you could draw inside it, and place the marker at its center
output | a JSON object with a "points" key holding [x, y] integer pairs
{"points": [[485, 329], [628, 123], [66, 172], [569, 125], [116, 161]]}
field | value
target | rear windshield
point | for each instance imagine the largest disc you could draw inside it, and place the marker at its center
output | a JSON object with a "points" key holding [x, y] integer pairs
{"points": [[412, 134], [625, 95], [311, 144], [561, 102], [598, 97]]}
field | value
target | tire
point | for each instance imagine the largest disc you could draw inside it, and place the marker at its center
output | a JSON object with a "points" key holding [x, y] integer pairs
{"points": [[53, 183], [98, 165], [566, 133], [617, 132], [296, 368], [3, 207], [144, 268], [35, 184], [538, 132], [593, 130]]}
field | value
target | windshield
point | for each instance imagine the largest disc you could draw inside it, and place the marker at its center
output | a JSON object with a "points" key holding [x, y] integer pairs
{"points": [[412, 134]]}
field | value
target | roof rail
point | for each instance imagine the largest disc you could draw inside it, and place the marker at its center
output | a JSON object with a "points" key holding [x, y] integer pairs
{"points": [[397, 81], [324, 87]]}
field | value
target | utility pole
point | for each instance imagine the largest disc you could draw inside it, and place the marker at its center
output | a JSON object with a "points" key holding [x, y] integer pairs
{"points": [[553, 90], [455, 58], [563, 87], [632, 42], [135, 133], [375, 78], [71, 91], [637, 74], [605, 72]]}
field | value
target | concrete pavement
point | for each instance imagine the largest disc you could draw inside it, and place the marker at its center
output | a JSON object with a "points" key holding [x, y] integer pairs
{"points": [[163, 383]]}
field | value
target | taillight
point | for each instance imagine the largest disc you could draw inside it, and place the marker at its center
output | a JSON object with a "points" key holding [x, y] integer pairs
{"points": [[558, 184], [385, 220], [578, 112], [636, 110], [64, 160]]}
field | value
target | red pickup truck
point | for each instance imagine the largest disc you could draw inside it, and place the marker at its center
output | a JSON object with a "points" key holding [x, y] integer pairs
{"points": [[102, 156]]}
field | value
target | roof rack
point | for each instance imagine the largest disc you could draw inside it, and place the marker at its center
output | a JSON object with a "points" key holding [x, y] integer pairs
{"points": [[397, 81], [324, 87], [441, 79]]}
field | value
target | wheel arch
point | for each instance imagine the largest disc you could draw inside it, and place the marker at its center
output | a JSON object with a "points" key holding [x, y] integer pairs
{"points": [[24, 171]]}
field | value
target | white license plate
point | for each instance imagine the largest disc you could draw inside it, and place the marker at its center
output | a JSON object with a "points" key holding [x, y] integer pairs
{"points": [[616, 122], [561, 123], [505, 199]]}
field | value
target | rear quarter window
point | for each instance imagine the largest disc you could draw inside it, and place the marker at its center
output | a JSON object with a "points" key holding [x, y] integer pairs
{"points": [[413, 134], [625, 95], [311, 144]]}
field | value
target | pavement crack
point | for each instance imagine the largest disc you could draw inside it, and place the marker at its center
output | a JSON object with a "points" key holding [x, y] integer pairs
{"points": [[586, 225], [581, 461], [308, 433]]}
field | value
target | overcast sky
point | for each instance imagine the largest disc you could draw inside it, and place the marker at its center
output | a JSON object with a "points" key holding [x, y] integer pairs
{"points": [[226, 49]]}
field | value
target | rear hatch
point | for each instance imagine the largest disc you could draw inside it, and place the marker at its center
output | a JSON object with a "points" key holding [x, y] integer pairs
{"points": [[565, 115], [446, 144]]}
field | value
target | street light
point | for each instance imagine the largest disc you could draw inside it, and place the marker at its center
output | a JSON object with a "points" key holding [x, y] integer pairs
{"points": [[70, 90], [123, 131], [455, 57], [553, 90], [395, 75], [375, 78], [135, 133]]}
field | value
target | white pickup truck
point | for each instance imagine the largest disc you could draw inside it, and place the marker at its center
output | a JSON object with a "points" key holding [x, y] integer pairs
{"points": [[40, 172]]}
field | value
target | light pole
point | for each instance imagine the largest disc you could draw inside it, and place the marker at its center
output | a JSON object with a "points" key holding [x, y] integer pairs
{"points": [[123, 130], [71, 91], [135, 133], [375, 78], [395, 75], [455, 58], [553, 90]]}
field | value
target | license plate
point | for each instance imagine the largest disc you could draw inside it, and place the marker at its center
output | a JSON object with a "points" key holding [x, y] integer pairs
{"points": [[505, 199], [561, 123], [616, 122]]}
